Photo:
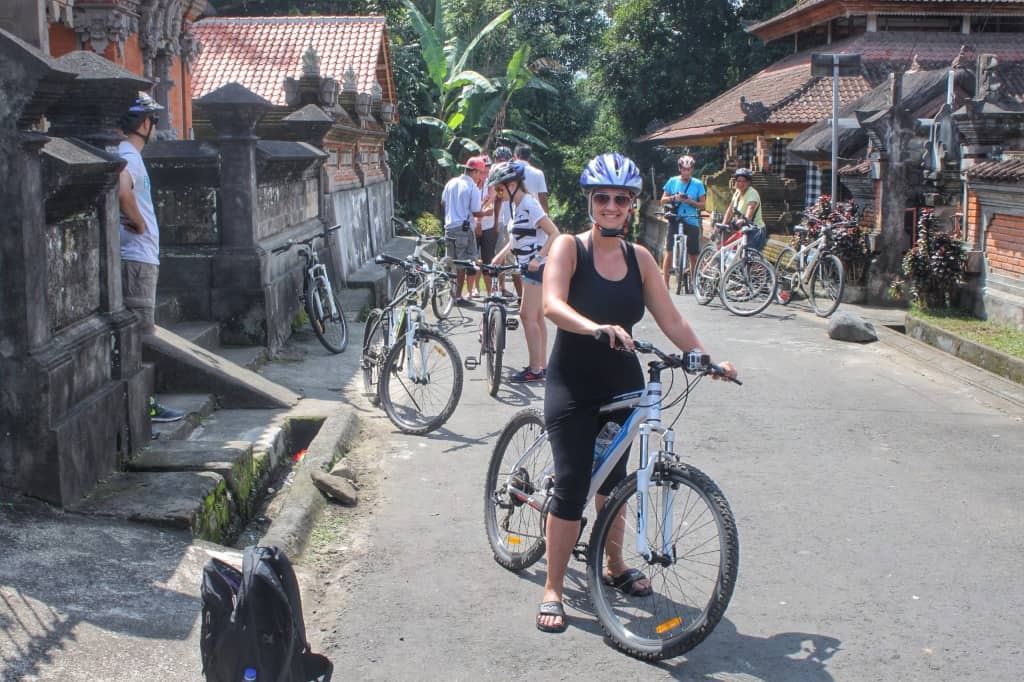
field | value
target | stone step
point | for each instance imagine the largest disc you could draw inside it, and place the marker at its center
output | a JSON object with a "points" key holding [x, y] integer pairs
{"points": [[355, 303], [196, 406], [266, 430], [231, 459], [168, 309], [193, 500], [200, 332], [371, 276], [250, 357]]}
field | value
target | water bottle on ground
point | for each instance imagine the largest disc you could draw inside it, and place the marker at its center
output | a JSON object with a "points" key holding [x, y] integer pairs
{"points": [[604, 438]]}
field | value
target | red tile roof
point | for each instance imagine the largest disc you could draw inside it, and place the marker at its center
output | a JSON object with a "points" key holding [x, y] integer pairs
{"points": [[786, 94], [260, 52], [1010, 170], [846, 8]]}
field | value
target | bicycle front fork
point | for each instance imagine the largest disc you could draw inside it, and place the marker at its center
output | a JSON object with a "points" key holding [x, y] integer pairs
{"points": [[664, 554]]}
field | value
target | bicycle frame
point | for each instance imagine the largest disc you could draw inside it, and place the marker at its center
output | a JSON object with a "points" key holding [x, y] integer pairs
{"points": [[645, 420], [317, 274], [407, 320]]}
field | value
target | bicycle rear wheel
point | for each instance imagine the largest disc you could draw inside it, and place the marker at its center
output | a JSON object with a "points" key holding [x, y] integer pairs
{"points": [[705, 279], [521, 465], [422, 402], [787, 273], [494, 346], [374, 338], [331, 330], [826, 285], [441, 296], [748, 286], [691, 528]]}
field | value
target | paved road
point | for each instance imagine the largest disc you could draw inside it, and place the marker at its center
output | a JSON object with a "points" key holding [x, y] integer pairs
{"points": [[878, 503]]}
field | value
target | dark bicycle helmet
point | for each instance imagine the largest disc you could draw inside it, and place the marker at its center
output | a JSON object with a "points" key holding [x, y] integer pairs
{"points": [[743, 173], [611, 170], [506, 172], [502, 153], [144, 107]]}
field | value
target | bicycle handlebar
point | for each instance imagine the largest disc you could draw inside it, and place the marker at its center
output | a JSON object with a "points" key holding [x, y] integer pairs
{"points": [[308, 241], [691, 362], [487, 268]]}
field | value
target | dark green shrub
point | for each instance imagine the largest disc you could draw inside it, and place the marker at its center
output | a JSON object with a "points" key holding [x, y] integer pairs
{"points": [[935, 266]]}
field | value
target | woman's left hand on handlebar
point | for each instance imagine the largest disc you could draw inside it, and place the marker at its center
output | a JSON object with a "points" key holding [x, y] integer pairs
{"points": [[730, 371]]}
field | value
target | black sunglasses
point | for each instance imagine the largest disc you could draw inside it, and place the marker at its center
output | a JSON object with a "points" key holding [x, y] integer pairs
{"points": [[621, 200]]}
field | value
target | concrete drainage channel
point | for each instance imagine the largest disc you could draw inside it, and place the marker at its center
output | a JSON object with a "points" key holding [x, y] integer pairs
{"points": [[217, 482]]}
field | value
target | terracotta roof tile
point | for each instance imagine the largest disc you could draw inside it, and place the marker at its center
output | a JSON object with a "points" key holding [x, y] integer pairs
{"points": [[1010, 170], [786, 93], [260, 52]]}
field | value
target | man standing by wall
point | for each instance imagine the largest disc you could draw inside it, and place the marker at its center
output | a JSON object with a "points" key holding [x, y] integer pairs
{"points": [[140, 235], [534, 181], [460, 201]]}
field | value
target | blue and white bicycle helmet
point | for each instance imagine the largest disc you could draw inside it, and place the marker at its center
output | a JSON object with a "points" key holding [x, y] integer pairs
{"points": [[145, 104], [611, 170]]}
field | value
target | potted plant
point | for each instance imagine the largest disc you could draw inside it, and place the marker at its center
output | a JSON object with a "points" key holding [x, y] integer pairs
{"points": [[935, 266]]}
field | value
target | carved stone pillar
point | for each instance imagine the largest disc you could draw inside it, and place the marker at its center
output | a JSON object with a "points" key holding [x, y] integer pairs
{"points": [[100, 23]]}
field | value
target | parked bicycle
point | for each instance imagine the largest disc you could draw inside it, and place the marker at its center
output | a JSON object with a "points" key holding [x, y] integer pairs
{"points": [[493, 324], [679, 527], [680, 263], [814, 270], [742, 278], [318, 296], [437, 266], [409, 368]]}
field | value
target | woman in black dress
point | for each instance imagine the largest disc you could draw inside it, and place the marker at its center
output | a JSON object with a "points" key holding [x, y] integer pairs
{"points": [[596, 284]]}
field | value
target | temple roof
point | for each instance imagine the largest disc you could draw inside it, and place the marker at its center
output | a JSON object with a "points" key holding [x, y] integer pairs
{"points": [[260, 52], [784, 98], [1008, 170]]}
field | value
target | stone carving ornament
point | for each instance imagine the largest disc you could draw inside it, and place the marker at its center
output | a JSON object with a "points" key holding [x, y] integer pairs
{"points": [[98, 23]]}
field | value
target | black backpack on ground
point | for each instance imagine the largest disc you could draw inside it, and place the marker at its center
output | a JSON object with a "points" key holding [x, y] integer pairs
{"points": [[253, 619]]}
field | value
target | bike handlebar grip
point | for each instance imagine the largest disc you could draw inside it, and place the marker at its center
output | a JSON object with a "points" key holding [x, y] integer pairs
{"points": [[465, 264]]}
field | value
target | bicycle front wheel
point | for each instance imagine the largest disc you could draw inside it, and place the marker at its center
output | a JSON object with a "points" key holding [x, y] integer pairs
{"points": [[692, 571], [330, 329], [494, 346], [827, 285], [705, 279], [374, 337], [787, 272], [679, 262], [520, 478], [419, 390], [748, 286], [441, 297]]}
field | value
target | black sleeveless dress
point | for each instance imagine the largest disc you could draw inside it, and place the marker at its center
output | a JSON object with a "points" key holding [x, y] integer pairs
{"points": [[584, 373]]}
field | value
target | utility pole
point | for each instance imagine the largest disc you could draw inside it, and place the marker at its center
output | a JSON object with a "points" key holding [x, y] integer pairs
{"points": [[835, 65]]}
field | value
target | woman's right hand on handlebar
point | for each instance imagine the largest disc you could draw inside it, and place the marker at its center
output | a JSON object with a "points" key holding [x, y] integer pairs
{"points": [[730, 371], [616, 336]]}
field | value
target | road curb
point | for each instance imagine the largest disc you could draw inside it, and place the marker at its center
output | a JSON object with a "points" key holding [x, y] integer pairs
{"points": [[303, 502], [994, 361]]}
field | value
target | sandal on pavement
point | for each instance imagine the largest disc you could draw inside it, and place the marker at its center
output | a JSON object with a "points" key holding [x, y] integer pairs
{"points": [[552, 608], [626, 581]]}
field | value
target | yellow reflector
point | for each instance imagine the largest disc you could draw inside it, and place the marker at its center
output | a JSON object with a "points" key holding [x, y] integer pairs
{"points": [[668, 625], [512, 540], [440, 351]]}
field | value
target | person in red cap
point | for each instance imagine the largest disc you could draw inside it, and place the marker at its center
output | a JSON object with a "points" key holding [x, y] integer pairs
{"points": [[460, 201]]}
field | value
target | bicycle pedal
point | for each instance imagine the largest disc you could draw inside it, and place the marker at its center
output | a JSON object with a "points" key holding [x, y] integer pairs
{"points": [[579, 552], [471, 363], [512, 324]]}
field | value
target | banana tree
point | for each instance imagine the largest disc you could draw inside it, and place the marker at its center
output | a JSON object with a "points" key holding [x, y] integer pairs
{"points": [[456, 86]]}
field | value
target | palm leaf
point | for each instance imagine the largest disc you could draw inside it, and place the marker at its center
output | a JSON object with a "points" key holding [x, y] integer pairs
{"points": [[523, 136], [431, 47], [484, 32]]}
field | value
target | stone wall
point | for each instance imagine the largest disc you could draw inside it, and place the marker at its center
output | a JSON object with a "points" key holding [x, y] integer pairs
{"points": [[364, 214], [73, 392]]}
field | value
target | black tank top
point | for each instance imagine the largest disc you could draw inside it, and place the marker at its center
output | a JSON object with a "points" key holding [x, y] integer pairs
{"points": [[588, 369]]}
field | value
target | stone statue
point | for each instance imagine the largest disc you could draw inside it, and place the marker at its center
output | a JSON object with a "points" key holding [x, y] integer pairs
{"points": [[310, 63]]}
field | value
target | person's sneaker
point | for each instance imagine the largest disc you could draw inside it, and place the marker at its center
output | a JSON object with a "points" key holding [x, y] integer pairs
{"points": [[159, 413], [527, 375]]}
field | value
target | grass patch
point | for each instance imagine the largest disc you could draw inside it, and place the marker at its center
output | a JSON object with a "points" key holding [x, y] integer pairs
{"points": [[328, 531], [1001, 337]]}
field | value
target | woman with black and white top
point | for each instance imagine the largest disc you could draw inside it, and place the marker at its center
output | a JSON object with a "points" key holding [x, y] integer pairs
{"points": [[530, 232]]}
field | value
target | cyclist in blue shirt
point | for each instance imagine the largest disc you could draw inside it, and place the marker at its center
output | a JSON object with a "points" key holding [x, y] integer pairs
{"points": [[690, 196]]}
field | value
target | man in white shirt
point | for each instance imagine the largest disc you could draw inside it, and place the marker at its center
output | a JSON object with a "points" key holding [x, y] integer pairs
{"points": [[140, 234], [534, 181], [460, 201]]}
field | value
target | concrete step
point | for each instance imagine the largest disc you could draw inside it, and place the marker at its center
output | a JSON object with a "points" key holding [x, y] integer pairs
{"points": [[196, 406], [250, 357], [267, 430], [355, 303], [194, 500], [231, 459], [200, 332], [168, 309], [371, 276]]}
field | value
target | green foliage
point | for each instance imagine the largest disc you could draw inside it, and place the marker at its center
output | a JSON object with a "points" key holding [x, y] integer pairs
{"points": [[1003, 337], [935, 265], [429, 224]]}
